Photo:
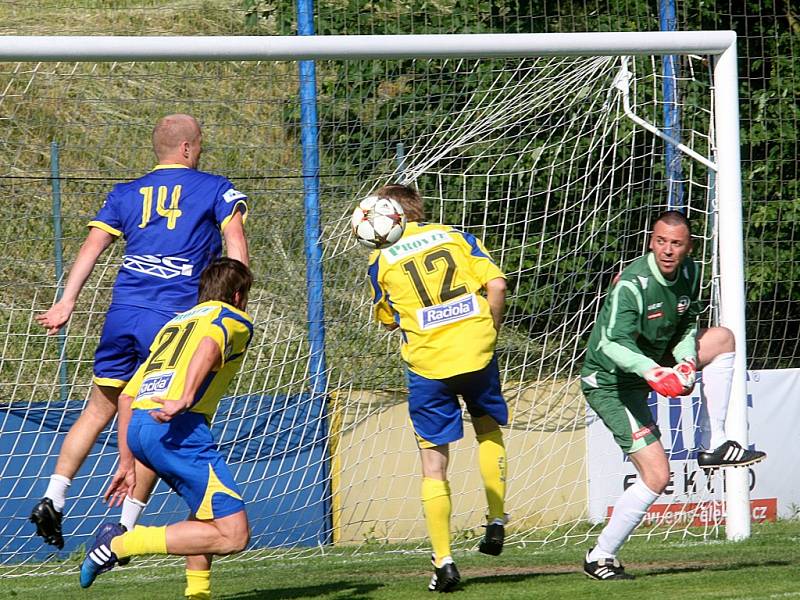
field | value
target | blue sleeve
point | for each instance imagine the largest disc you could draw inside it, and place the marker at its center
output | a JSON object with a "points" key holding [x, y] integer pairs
{"points": [[108, 217], [482, 265], [381, 306], [227, 202], [377, 290], [236, 330]]}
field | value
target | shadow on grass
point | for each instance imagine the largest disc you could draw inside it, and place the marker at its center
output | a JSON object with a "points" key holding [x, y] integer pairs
{"points": [[341, 589], [694, 568], [512, 578], [640, 572]]}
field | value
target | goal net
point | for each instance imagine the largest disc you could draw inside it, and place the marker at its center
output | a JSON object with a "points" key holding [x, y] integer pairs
{"points": [[535, 156]]}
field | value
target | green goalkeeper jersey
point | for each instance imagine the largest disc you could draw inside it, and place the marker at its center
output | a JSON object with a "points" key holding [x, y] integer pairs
{"points": [[644, 317]]}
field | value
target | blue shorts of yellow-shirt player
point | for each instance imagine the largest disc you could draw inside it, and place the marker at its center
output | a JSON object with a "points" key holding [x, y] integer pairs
{"points": [[125, 342], [434, 408], [183, 453]]}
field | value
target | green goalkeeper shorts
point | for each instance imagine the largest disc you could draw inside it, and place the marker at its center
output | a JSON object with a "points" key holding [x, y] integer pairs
{"points": [[626, 414]]}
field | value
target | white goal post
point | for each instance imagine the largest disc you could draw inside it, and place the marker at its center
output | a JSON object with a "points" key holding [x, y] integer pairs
{"points": [[726, 147]]}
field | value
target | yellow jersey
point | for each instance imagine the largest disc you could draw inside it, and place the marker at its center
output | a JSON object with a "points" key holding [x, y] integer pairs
{"points": [[430, 283], [163, 374]]}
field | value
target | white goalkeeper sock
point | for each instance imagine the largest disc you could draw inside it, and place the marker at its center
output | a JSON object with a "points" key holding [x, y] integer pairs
{"points": [[717, 381], [628, 513], [57, 491], [131, 511]]}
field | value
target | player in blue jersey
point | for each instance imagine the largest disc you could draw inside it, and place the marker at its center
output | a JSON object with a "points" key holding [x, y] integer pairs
{"points": [[173, 220], [164, 415], [440, 288]]}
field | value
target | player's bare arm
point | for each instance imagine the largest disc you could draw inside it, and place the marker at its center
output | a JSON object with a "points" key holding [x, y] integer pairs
{"points": [[235, 239], [496, 297], [94, 245], [206, 358]]}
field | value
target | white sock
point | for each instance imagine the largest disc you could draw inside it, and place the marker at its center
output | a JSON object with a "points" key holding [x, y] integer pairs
{"points": [[628, 513], [717, 381], [131, 511], [57, 491]]}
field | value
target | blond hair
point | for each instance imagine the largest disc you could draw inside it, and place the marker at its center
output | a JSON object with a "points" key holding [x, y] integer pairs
{"points": [[171, 131]]}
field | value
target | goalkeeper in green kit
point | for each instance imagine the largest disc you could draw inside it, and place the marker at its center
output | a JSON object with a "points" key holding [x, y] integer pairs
{"points": [[645, 338]]}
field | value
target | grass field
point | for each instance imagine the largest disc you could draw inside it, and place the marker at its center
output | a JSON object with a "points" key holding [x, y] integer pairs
{"points": [[765, 566]]}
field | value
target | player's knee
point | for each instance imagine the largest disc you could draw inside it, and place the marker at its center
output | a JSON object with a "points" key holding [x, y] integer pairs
{"points": [[94, 419], [716, 341], [239, 541], [660, 483], [244, 539], [102, 405], [438, 472], [727, 340], [657, 479], [234, 537]]}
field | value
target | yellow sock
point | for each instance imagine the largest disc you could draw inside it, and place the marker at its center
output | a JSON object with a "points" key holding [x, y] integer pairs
{"points": [[436, 505], [198, 585], [140, 540], [492, 461]]}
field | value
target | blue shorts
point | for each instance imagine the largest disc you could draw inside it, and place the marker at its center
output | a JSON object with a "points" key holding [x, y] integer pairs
{"points": [[184, 455], [125, 343], [434, 408]]}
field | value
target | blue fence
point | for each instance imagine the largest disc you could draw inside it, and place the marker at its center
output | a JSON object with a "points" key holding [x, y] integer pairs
{"points": [[275, 446]]}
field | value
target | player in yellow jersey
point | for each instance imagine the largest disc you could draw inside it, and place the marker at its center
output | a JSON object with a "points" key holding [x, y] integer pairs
{"points": [[441, 289], [164, 417]]}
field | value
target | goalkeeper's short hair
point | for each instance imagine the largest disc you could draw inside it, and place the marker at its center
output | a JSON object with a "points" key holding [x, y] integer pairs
{"points": [[673, 218]]}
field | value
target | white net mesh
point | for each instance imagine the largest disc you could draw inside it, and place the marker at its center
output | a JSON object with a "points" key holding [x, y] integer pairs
{"points": [[535, 157]]}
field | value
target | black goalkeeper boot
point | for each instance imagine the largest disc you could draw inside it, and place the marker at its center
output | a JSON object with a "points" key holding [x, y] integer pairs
{"points": [[729, 454]]}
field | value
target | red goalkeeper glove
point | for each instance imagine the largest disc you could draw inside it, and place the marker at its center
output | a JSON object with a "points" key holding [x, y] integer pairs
{"points": [[687, 370], [665, 381]]}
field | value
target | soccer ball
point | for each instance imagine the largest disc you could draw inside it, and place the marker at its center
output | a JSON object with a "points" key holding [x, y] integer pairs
{"points": [[378, 222]]}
